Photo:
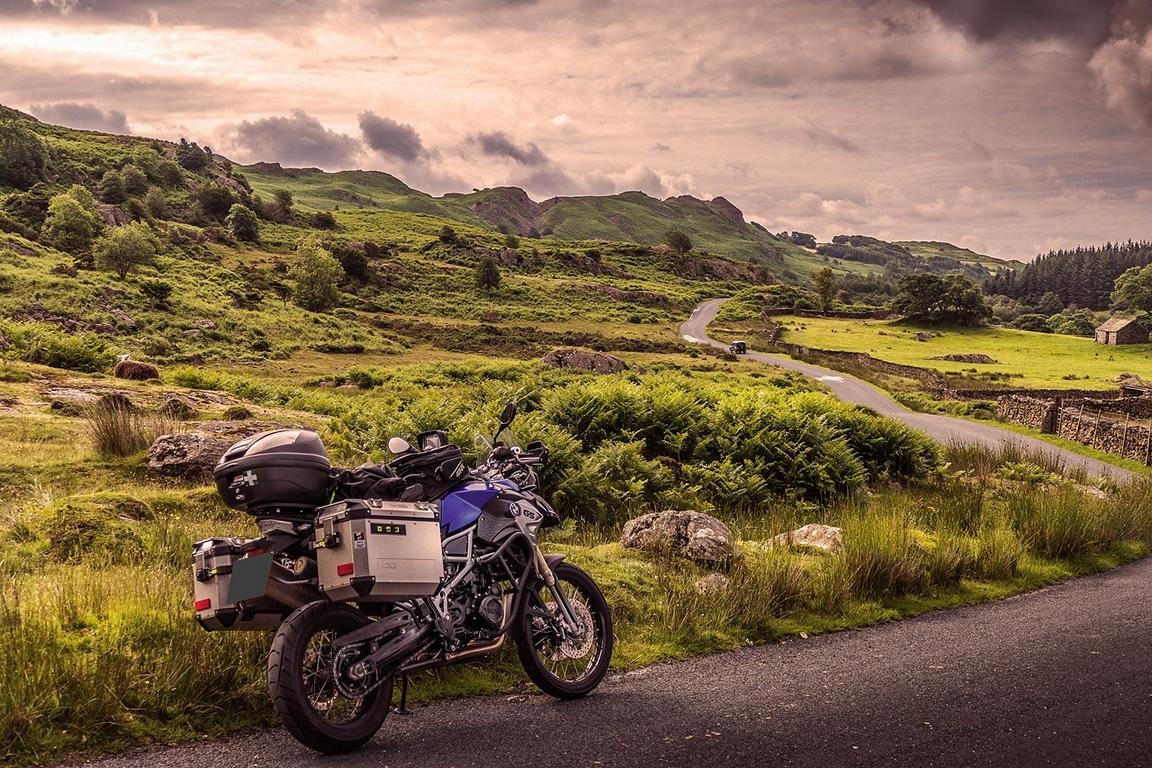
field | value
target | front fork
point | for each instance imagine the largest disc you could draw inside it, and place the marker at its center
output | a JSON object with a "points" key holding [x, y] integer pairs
{"points": [[572, 625]]}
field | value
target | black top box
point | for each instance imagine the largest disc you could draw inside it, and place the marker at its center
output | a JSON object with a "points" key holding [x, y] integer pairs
{"points": [[284, 474]]}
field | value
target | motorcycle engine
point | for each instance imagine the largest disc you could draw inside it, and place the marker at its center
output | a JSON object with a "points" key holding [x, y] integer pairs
{"points": [[477, 607]]}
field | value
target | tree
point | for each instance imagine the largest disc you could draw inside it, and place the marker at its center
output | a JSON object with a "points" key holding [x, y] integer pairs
{"points": [[122, 248], [315, 276], [69, 226], [1032, 322], [353, 260], [111, 188], [22, 155], [242, 222], [824, 283], [283, 200], [447, 235], [1049, 304], [678, 241], [1133, 290], [952, 299], [511, 242], [487, 274]]}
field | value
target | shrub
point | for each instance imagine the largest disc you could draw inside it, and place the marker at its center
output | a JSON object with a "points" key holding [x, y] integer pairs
{"points": [[123, 248], [111, 188], [190, 156], [156, 203], [22, 155], [447, 235], [323, 220], [69, 226], [157, 291], [511, 242], [614, 483], [487, 274], [678, 241], [242, 222], [237, 413], [44, 344], [134, 181], [316, 274], [100, 526], [215, 200]]}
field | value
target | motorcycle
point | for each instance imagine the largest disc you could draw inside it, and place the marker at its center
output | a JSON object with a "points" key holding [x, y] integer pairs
{"points": [[367, 591]]}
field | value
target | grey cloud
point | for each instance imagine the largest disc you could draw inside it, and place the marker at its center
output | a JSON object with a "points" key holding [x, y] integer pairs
{"points": [[824, 136], [86, 117], [1123, 69], [22, 83], [985, 20], [497, 144], [221, 14], [296, 140], [389, 137]]}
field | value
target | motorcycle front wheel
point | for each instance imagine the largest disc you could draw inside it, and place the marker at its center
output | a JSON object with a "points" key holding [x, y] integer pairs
{"points": [[311, 705], [562, 664]]}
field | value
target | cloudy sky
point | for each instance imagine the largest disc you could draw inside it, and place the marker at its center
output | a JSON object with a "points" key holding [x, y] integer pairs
{"points": [[1010, 126]]}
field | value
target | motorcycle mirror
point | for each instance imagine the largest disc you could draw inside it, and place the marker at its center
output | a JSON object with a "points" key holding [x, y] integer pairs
{"points": [[399, 445], [508, 416]]}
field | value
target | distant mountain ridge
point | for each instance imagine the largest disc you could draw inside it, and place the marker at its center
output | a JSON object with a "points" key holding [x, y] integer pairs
{"points": [[715, 225]]}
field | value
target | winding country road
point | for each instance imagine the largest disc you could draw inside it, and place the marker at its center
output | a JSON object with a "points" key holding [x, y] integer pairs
{"points": [[1058, 677], [853, 390]]}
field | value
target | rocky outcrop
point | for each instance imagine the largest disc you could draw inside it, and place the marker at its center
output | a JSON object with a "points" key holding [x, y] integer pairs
{"points": [[584, 360], [815, 535], [188, 457], [688, 534]]}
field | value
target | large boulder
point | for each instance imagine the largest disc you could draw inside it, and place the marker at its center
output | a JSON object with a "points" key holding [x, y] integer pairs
{"points": [[584, 360], [189, 456], [815, 535], [692, 535]]}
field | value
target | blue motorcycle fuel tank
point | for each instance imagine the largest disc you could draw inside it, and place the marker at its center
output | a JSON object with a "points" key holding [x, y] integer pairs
{"points": [[461, 507]]}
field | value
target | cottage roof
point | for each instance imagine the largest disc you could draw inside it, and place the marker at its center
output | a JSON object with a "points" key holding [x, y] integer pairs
{"points": [[1116, 324]]}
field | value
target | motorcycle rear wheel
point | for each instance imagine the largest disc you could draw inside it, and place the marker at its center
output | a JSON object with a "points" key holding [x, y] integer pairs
{"points": [[306, 698], [565, 667]]}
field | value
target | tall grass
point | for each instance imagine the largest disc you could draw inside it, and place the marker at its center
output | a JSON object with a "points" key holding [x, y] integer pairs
{"points": [[117, 429]]}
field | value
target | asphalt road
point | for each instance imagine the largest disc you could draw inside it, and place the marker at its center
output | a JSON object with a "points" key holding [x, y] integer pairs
{"points": [[1058, 677], [852, 390]]}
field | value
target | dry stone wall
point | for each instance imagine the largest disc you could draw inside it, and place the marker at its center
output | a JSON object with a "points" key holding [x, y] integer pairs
{"points": [[1118, 426], [1029, 411]]}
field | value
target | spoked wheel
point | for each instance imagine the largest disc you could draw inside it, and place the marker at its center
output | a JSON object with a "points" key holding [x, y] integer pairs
{"points": [[564, 664], [318, 710]]}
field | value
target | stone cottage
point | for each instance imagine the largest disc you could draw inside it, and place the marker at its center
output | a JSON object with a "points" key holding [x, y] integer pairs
{"points": [[1121, 330]]}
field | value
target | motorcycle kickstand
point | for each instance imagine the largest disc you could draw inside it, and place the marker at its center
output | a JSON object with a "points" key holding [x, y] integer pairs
{"points": [[403, 708]]}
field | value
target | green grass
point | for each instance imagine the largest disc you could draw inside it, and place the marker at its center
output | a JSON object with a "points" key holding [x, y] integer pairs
{"points": [[1025, 359], [99, 654]]}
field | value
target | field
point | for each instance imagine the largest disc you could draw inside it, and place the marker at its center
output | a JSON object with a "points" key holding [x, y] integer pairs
{"points": [[1024, 359], [98, 649]]}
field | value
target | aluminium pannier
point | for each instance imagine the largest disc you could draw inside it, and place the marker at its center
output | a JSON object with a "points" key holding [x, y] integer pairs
{"points": [[377, 551], [212, 564]]}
